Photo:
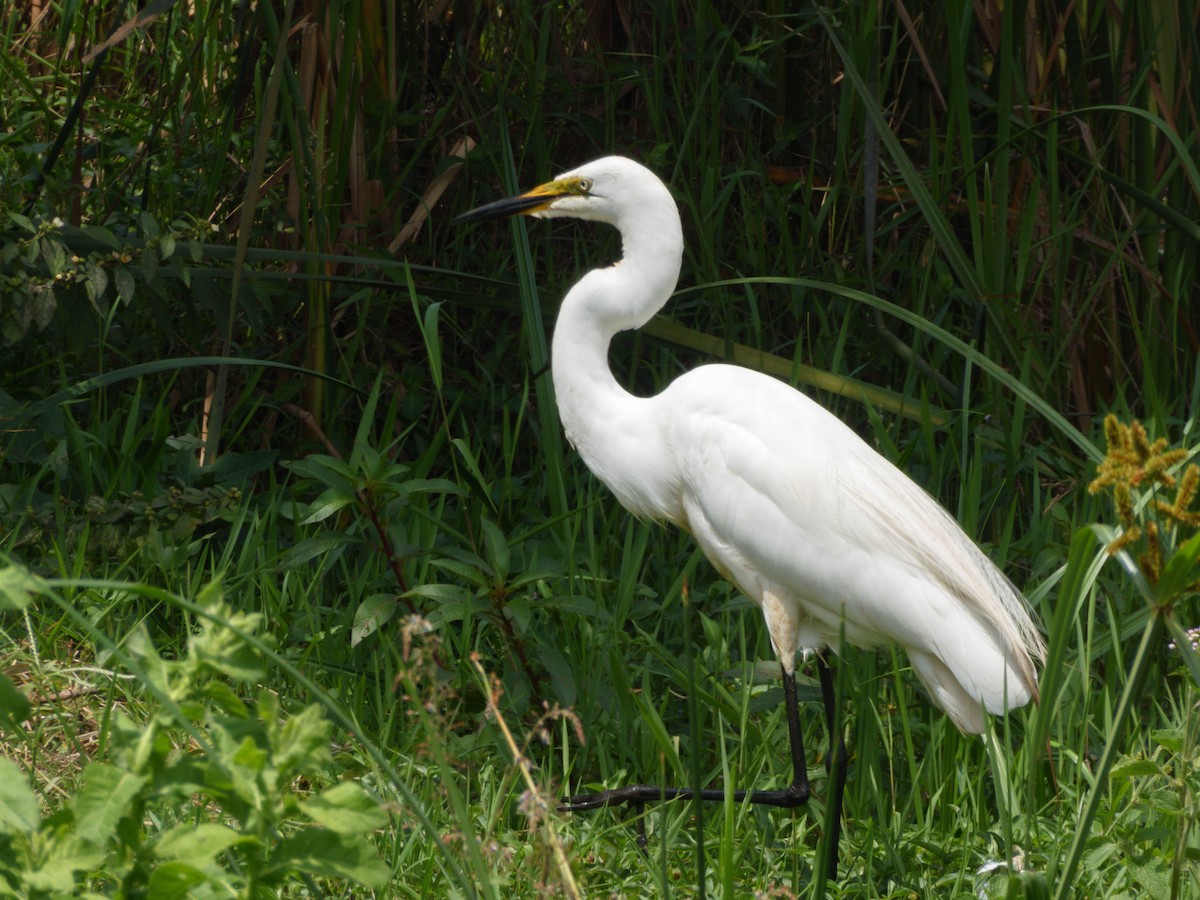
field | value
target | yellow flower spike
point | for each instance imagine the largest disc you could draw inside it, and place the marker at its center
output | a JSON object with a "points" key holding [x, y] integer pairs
{"points": [[1141, 442], [1151, 560], [1123, 500], [1127, 537], [1133, 460]]}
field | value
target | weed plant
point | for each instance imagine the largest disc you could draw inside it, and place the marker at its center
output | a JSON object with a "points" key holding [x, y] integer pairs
{"points": [[303, 593]]}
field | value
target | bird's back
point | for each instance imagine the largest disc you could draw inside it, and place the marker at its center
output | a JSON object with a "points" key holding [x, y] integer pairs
{"points": [[787, 501]]}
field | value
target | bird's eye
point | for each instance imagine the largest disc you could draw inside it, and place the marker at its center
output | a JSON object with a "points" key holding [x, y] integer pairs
{"points": [[584, 185]]}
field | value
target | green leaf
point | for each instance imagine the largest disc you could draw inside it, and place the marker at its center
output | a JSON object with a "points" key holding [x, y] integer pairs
{"points": [[217, 645], [149, 264], [67, 856], [237, 468], [41, 306], [19, 811], [370, 615], [496, 549], [471, 571], [1028, 886], [107, 795], [95, 283], [22, 222], [330, 502], [312, 547], [197, 845], [1169, 738], [1183, 646], [346, 808], [224, 697], [328, 470], [15, 707], [454, 604], [148, 224], [186, 775], [125, 284], [321, 852], [102, 235], [1135, 768], [18, 586], [519, 613], [250, 756], [301, 743], [562, 676], [1180, 570], [427, 486], [482, 487], [174, 881], [55, 255]]}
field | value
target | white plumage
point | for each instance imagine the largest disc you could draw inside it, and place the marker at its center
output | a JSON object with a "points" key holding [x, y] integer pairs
{"points": [[818, 529]]}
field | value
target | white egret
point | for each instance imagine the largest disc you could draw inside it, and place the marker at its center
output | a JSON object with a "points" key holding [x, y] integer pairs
{"points": [[826, 536]]}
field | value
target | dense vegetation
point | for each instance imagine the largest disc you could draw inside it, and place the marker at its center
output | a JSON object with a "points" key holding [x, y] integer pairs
{"points": [[301, 589]]}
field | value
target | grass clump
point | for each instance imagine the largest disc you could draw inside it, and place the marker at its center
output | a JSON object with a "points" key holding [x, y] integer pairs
{"points": [[208, 795], [242, 345]]}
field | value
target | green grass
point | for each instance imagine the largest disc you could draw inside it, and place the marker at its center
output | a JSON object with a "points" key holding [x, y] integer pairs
{"points": [[970, 254]]}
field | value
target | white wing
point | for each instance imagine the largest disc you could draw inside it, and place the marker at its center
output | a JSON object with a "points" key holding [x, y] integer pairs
{"points": [[827, 536]]}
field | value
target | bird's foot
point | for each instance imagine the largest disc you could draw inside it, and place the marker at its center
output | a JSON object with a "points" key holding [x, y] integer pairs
{"points": [[795, 794]]}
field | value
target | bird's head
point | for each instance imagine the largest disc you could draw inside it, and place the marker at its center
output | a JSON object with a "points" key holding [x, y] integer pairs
{"points": [[606, 190]]}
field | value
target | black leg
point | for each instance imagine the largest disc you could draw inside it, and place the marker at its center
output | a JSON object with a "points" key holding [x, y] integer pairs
{"points": [[795, 794], [835, 763]]}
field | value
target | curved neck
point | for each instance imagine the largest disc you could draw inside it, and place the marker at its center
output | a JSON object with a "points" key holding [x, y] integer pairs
{"points": [[622, 296], [599, 416]]}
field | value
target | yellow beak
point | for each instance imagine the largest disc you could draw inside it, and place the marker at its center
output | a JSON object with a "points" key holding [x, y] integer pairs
{"points": [[524, 204]]}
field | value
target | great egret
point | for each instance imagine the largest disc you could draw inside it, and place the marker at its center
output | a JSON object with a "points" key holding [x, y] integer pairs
{"points": [[829, 538]]}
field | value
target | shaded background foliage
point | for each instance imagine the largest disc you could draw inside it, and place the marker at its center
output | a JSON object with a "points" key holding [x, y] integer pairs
{"points": [[273, 182]]}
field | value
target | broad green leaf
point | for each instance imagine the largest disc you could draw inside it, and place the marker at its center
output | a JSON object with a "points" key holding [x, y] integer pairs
{"points": [[67, 856], [101, 235], [562, 676], [148, 224], [219, 647], [496, 549], [372, 613], [312, 547], [1135, 768], [95, 283], [54, 254], [174, 881], [330, 502], [1170, 738], [224, 697], [468, 571], [347, 809], [250, 756], [302, 742], [427, 486], [321, 852], [107, 795], [22, 222], [325, 469], [149, 262], [1181, 569], [15, 707], [519, 613], [19, 811], [1183, 646], [199, 844], [18, 586], [124, 282], [186, 775]]}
